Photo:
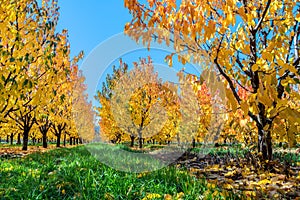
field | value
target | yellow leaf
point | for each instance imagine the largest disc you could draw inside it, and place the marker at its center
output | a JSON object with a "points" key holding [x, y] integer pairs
{"points": [[211, 185], [267, 56], [228, 186], [168, 197], [245, 107], [253, 108], [255, 67], [230, 173], [180, 195], [265, 100], [231, 99], [169, 60], [250, 194], [298, 17], [264, 182], [152, 196]]}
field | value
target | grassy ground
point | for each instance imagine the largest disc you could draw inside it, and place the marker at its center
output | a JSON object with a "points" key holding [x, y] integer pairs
{"points": [[72, 173]]}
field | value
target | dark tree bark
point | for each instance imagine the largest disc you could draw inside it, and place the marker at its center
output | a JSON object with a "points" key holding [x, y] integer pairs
{"points": [[132, 140], [25, 139], [193, 142], [28, 122], [44, 128], [33, 141], [140, 138], [58, 130], [19, 138], [11, 138], [58, 139], [25, 121], [44, 141], [140, 142]]}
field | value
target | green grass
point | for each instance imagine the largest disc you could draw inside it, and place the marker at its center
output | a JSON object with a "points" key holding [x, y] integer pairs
{"points": [[291, 158], [220, 151], [75, 174]]}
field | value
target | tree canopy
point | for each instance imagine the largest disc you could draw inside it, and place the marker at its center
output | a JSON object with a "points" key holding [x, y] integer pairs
{"points": [[253, 45]]}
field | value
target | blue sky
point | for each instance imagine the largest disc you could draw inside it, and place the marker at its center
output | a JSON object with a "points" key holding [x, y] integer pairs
{"points": [[91, 22]]}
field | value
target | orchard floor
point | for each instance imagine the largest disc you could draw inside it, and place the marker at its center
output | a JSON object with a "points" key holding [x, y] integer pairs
{"points": [[216, 173], [15, 151]]}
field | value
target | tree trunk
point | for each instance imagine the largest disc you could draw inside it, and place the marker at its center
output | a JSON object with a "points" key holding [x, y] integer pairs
{"points": [[269, 146], [140, 139], [77, 141], [71, 141], [194, 143], [132, 140], [265, 144], [58, 135], [44, 130], [7, 139], [25, 139], [58, 132], [11, 138], [19, 138], [140, 142], [44, 136], [44, 140]]}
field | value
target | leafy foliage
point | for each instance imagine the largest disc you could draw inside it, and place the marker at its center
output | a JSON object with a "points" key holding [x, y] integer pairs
{"points": [[37, 74], [251, 44], [137, 104]]}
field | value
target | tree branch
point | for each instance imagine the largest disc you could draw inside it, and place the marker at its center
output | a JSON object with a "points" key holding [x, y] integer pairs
{"points": [[241, 66], [263, 16], [225, 75]]}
